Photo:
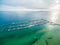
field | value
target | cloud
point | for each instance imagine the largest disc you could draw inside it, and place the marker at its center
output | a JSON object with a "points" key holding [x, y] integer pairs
{"points": [[28, 3], [18, 8], [11, 8]]}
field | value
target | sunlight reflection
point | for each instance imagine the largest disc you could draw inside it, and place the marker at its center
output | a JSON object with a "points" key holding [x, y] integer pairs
{"points": [[54, 14]]}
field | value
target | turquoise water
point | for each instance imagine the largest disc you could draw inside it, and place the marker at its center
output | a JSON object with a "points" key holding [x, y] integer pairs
{"points": [[26, 28]]}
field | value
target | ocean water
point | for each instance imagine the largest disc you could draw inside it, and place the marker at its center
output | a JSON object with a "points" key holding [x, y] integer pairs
{"points": [[29, 28]]}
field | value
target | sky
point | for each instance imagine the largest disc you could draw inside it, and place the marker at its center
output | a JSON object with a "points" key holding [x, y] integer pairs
{"points": [[26, 4]]}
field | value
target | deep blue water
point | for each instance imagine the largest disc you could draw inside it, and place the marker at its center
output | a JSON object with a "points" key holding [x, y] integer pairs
{"points": [[13, 16]]}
